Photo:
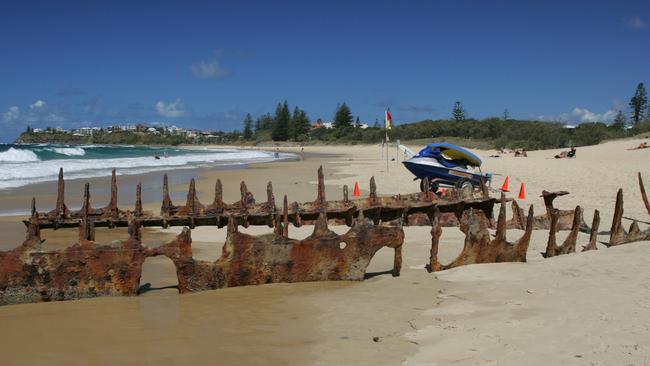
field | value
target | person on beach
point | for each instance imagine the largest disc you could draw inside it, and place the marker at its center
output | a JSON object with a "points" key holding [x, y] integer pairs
{"points": [[276, 155], [521, 153], [643, 145], [567, 154], [302, 153]]}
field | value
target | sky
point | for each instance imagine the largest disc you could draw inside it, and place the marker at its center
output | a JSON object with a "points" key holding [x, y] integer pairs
{"points": [[206, 64]]}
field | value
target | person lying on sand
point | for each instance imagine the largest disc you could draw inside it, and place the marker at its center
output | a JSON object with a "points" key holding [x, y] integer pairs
{"points": [[567, 154], [643, 145], [521, 153]]}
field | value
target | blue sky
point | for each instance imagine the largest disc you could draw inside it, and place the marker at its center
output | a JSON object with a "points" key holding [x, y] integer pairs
{"points": [[206, 64]]}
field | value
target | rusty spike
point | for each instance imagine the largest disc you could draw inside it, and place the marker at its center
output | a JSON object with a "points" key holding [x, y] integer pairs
{"points": [[345, 194], [33, 229], [593, 236], [436, 231], [33, 212], [617, 233], [270, 198], [551, 244], [277, 223], [85, 209], [521, 247], [285, 217], [138, 199], [427, 188], [644, 196], [191, 196], [320, 227], [113, 203], [320, 199], [167, 201], [218, 195], [501, 221], [61, 209], [373, 190], [569, 245], [517, 219]]}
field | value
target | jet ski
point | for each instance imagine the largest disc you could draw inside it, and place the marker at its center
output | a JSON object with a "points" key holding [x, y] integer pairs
{"points": [[447, 165]]}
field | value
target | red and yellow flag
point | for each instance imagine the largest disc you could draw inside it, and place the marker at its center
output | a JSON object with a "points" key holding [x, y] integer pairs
{"points": [[389, 120]]}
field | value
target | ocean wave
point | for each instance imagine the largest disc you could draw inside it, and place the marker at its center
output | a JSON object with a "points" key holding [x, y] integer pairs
{"points": [[69, 151], [14, 155], [47, 170]]}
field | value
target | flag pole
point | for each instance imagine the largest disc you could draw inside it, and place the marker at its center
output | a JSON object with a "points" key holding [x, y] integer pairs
{"points": [[387, 152]]}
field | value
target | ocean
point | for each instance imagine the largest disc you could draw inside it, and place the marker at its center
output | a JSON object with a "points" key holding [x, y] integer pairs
{"points": [[26, 164]]}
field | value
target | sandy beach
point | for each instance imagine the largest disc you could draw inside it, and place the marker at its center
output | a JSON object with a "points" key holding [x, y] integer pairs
{"points": [[584, 309]]}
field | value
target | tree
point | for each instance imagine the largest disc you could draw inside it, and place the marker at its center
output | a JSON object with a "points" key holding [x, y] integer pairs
{"points": [[458, 114], [357, 123], [638, 104], [376, 125], [619, 121], [301, 124], [343, 117], [506, 114], [282, 121], [248, 126]]}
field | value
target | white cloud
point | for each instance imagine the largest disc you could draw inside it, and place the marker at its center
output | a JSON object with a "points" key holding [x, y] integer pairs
{"points": [[635, 23], [584, 115], [209, 69], [173, 109], [12, 114], [37, 104]]}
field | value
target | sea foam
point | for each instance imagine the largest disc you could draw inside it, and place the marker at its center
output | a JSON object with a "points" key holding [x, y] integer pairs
{"points": [[34, 171], [14, 155]]}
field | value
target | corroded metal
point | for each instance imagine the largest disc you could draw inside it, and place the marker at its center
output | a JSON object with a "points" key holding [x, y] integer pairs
{"points": [[593, 236], [411, 209], [618, 235], [478, 247], [565, 218], [87, 269], [569, 244]]}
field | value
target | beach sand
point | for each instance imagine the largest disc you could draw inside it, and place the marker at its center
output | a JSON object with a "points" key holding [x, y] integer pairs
{"points": [[584, 308]]}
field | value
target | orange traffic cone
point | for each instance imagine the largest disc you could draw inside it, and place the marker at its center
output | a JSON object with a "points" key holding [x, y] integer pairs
{"points": [[522, 192], [356, 190], [504, 187]]}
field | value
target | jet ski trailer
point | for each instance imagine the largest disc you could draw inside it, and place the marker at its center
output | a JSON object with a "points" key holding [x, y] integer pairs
{"points": [[447, 165]]}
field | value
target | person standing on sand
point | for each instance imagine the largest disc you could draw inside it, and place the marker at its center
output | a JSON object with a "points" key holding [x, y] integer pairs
{"points": [[302, 153], [276, 155]]}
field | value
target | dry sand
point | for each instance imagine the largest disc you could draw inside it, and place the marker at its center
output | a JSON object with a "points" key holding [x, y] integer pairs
{"points": [[584, 309]]}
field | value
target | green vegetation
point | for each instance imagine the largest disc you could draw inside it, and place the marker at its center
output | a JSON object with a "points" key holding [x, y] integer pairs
{"points": [[285, 126], [639, 104]]}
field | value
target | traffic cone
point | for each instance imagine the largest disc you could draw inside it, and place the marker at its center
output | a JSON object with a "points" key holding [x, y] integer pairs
{"points": [[504, 187], [522, 192], [356, 190]]}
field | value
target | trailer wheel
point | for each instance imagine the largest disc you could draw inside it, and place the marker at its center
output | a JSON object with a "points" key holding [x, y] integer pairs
{"points": [[433, 187], [464, 183]]}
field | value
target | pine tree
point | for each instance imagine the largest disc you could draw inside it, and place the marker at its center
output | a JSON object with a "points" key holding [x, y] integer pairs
{"points": [[343, 117], [458, 114], [638, 104], [282, 123], [357, 123], [301, 124], [506, 114], [619, 121], [248, 127]]}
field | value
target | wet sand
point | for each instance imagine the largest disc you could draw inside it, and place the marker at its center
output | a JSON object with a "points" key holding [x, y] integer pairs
{"points": [[584, 308]]}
